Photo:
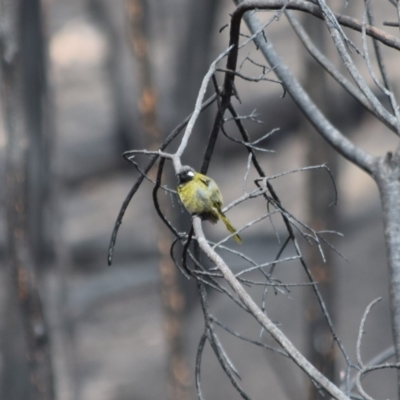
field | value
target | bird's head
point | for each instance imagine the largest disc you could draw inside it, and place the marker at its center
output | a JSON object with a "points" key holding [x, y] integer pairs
{"points": [[185, 174]]}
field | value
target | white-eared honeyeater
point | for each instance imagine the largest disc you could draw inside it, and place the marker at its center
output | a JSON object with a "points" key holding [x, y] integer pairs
{"points": [[201, 196]]}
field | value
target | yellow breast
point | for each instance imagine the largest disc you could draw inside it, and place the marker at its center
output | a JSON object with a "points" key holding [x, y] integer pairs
{"points": [[194, 198]]}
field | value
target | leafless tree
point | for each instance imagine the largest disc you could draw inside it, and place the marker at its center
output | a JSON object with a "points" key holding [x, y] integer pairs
{"points": [[24, 97], [385, 170]]}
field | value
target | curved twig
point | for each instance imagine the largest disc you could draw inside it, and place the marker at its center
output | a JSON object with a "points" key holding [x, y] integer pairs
{"points": [[370, 369], [361, 330]]}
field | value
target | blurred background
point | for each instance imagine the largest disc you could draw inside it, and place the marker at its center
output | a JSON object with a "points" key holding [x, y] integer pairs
{"points": [[119, 75]]}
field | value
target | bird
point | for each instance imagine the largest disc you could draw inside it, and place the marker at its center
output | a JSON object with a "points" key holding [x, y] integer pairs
{"points": [[201, 196]]}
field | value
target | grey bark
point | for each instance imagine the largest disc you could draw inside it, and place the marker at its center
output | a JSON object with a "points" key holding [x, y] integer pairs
{"points": [[387, 176], [23, 87]]}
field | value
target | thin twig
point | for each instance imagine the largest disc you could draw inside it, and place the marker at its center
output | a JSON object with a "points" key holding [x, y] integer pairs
{"points": [[246, 339], [385, 88], [259, 266], [361, 330], [378, 52], [139, 181], [331, 23], [331, 69], [370, 369], [197, 108], [200, 349], [380, 358]]}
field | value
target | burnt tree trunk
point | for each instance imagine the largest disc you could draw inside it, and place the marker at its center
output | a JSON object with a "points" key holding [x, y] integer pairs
{"points": [[24, 101]]}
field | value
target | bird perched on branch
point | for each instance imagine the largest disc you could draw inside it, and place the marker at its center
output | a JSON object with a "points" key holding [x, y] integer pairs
{"points": [[201, 196]]}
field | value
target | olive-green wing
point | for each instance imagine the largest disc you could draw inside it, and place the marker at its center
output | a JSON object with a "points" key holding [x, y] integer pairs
{"points": [[204, 179], [213, 192]]}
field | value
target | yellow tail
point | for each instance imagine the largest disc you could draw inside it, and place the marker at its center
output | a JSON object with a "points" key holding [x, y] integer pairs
{"points": [[229, 226]]}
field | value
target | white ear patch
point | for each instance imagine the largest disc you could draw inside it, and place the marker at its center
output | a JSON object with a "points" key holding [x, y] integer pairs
{"points": [[190, 173]]}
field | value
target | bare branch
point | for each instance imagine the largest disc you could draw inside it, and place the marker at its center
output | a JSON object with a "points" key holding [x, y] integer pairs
{"points": [[370, 369], [311, 8], [139, 181], [249, 224], [331, 23], [225, 363], [259, 266], [197, 109], [238, 335], [385, 88], [332, 70], [200, 349], [387, 23], [361, 330], [380, 358], [249, 78], [339, 142], [398, 12], [264, 321], [378, 53]]}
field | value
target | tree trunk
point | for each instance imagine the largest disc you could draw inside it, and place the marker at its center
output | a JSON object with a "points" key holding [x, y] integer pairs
{"points": [[23, 95], [387, 176]]}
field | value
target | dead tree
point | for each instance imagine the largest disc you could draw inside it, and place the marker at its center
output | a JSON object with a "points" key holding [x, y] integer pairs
{"points": [[24, 100], [188, 246]]}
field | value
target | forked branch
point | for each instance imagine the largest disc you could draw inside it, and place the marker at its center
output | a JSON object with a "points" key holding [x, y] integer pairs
{"points": [[262, 319]]}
